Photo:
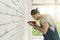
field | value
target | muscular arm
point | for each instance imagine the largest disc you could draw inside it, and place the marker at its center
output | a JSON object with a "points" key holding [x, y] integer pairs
{"points": [[44, 29]]}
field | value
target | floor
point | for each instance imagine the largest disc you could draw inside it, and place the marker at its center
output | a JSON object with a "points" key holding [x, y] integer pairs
{"points": [[37, 37]]}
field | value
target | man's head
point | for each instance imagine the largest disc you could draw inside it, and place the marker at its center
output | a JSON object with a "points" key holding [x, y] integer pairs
{"points": [[35, 14]]}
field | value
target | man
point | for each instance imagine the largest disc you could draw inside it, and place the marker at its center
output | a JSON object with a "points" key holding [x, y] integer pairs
{"points": [[47, 28]]}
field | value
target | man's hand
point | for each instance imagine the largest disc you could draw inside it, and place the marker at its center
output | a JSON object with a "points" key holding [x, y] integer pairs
{"points": [[32, 24]]}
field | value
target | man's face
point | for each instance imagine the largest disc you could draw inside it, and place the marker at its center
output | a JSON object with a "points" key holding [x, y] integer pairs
{"points": [[35, 16]]}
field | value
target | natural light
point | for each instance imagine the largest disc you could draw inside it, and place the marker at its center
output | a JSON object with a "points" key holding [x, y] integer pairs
{"points": [[54, 11]]}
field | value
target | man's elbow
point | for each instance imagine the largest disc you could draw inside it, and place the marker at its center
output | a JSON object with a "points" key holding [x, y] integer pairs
{"points": [[44, 32]]}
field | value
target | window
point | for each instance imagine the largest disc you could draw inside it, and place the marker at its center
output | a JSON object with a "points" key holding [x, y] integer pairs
{"points": [[51, 7]]}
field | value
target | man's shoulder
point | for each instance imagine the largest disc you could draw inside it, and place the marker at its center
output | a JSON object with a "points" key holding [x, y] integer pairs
{"points": [[48, 16]]}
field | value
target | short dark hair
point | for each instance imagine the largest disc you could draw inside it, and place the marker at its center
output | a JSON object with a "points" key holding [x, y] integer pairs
{"points": [[34, 11]]}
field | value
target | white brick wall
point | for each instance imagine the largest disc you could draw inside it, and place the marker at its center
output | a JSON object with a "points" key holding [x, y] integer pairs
{"points": [[13, 14]]}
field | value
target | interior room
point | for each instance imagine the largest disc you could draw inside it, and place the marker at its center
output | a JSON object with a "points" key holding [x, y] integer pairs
{"points": [[14, 15]]}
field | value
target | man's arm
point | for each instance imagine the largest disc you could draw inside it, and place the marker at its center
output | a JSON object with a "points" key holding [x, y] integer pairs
{"points": [[44, 29]]}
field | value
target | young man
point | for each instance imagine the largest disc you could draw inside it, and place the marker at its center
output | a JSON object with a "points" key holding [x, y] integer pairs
{"points": [[47, 28]]}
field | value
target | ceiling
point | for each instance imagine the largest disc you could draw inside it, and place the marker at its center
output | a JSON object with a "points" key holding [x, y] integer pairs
{"points": [[45, 1]]}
